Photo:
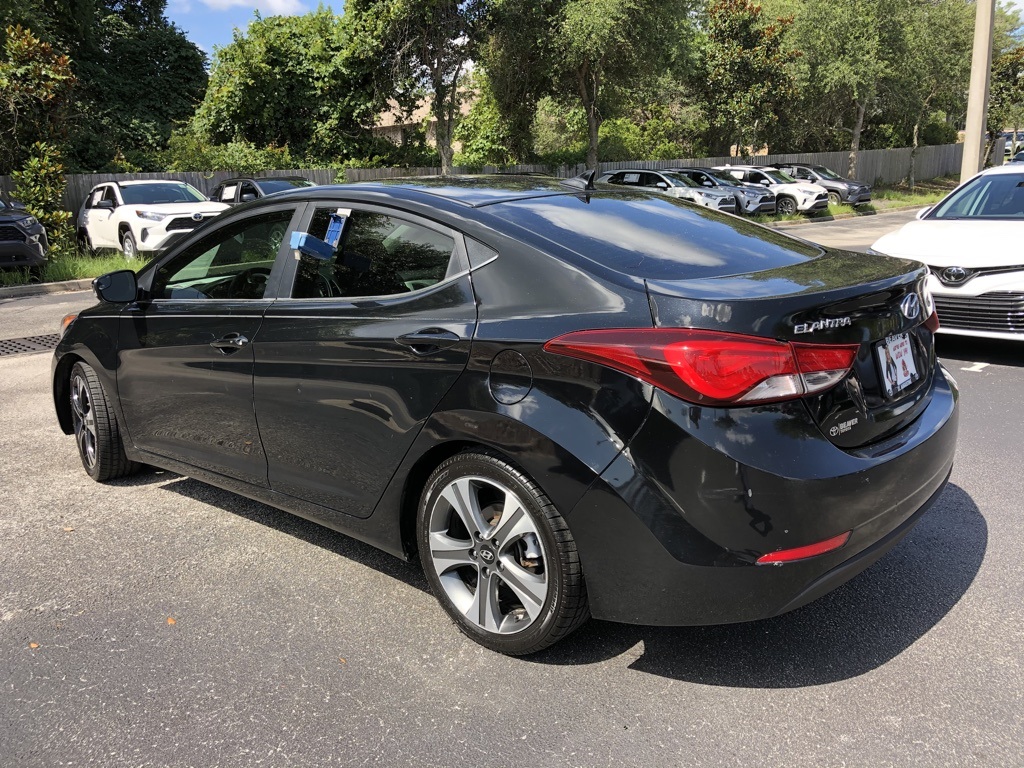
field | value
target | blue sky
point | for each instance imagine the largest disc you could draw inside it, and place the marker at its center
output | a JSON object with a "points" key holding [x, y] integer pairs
{"points": [[210, 22]]}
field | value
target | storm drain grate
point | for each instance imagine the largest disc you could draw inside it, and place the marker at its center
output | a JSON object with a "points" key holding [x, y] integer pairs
{"points": [[28, 344]]}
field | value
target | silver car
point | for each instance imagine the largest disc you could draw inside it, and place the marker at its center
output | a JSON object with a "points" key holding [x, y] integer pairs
{"points": [[750, 198], [673, 185]]}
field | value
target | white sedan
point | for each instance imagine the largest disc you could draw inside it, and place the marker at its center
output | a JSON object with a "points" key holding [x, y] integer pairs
{"points": [[973, 244]]}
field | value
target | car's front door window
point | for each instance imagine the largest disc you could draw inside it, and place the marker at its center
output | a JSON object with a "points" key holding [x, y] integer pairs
{"points": [[232, 263], [377, 255]]}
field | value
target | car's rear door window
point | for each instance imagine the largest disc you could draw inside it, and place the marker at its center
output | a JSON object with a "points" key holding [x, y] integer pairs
{"points": [[377, 254]]}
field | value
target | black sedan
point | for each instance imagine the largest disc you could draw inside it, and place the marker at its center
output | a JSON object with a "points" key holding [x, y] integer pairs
{"points": [[23, 243], [565, 402]]}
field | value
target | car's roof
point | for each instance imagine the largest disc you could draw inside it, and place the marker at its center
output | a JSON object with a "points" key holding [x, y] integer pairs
{"points": [[263, 178], [473, 191], [997, 169], [133, 182]]}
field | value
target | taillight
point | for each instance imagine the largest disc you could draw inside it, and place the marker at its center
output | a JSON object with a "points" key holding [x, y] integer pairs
{"points": [[712, 367]]}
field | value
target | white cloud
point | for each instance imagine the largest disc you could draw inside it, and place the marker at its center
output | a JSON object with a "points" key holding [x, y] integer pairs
{"points": [[266, 7]]}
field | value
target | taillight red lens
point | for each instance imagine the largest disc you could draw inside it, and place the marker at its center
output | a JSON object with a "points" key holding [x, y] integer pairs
{"points": [[932, 323], [712, 367]]}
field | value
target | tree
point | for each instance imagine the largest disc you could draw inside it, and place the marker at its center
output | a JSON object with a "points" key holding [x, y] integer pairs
{"points": [[1006, 99], [35, 90], [604, 49], [940, 36], [425, 46], [850, 47], [286, 82], [516, 50], [747, 80]]}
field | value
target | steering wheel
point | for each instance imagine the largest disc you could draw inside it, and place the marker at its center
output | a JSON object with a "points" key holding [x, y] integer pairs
{"points": [[249, 284], [326, 287]]}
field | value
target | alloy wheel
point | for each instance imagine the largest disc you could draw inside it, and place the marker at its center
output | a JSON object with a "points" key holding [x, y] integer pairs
{"points": [[83, 419], [488, 555]]}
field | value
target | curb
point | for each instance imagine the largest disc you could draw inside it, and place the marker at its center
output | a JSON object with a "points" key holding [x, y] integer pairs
{"points": [[42, 289], [840, 217]]}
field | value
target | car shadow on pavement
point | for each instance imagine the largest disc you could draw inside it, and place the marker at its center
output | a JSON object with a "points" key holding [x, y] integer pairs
{"points": [[851, 631], [285, 522], [976, 350]]}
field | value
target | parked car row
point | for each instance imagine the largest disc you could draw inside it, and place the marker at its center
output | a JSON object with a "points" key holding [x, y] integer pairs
{"points": [[149, 216], [750, 189]]}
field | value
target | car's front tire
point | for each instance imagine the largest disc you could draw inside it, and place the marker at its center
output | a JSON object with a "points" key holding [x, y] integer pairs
{"points": [[129, 247], [834, 198], [498, 556], [100, 445], [785, 206]]}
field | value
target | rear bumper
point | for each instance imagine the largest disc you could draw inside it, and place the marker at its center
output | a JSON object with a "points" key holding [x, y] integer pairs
{"points": [[670, 533]]}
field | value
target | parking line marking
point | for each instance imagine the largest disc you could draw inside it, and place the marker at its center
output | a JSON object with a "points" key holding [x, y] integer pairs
{"points": [[976, 367]]}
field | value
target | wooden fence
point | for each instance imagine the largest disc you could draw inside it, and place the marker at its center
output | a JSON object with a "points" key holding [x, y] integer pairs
{"points": [[875, 166]]}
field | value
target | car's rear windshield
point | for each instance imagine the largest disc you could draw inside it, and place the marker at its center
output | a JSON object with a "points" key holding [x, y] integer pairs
{"points": [[164, 192], [992, 196], [269, 186], [656, 238]]}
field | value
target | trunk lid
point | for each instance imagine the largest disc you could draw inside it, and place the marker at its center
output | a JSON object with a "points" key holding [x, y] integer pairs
{"points": [[838, 298]]}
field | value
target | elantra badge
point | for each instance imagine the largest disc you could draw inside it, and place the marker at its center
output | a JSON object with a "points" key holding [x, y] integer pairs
{"points": [[817, 325], [910, 306]]}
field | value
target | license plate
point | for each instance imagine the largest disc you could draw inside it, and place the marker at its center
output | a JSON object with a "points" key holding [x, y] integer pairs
{"points": [[896, 359]]}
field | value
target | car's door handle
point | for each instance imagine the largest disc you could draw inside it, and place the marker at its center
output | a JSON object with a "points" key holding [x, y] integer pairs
{"points": [[429, 340], [229, 343]]}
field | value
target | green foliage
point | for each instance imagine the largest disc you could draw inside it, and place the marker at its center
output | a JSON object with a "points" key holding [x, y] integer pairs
{"points": [[286, 81], [484, 133], [141, 77], [69, 265], [748, 85], [40, 186], [187, 152], [35, 89]]}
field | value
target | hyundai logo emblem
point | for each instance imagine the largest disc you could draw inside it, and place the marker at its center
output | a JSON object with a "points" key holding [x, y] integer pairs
{"points": [[197, 217], [954, 275], [486, 555], [910, 306]]}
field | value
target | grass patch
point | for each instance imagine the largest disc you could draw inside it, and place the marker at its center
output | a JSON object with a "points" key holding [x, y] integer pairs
{"points": [[72, 267]]}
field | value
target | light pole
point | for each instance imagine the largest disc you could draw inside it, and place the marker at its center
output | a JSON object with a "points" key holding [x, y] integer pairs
{"points": [[977, 97]]}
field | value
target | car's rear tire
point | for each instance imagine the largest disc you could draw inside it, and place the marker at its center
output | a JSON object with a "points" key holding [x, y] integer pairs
{"points": [[129, 247], [481, 519], [785, 206], [834, 198], [100, 445]]}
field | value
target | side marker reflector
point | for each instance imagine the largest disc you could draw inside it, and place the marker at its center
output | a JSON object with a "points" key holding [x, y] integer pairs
{"points": [[801, 553]]}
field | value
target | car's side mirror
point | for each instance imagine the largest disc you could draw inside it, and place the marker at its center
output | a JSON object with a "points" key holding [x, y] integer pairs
{"points": [[119, 287], [107, 205], [248, 197], [765, 183], [662, 185], [707, 184], [924, 212]]}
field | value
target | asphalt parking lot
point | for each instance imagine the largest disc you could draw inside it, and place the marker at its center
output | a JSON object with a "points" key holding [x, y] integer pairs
{"points": [[158, 621]]}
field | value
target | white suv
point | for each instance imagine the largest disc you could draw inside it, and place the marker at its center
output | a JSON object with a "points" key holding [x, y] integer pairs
{"points": [[790, 195], [141, 216]]}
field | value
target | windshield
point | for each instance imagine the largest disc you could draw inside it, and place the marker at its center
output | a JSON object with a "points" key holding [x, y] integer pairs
{"points": [[827, 173], [779, 177], [996, 196], [725, 176], [161, 192], [679, 179], [270, 186]]}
